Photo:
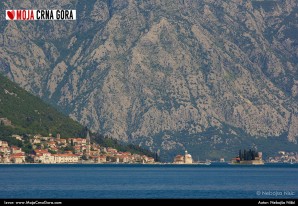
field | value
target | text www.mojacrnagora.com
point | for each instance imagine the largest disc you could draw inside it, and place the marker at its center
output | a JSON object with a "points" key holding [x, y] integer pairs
{"points": [[276, 193], [31, 203]]}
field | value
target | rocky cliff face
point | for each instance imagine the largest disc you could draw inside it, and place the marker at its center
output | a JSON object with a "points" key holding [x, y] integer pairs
{"points": [[168, 74]]}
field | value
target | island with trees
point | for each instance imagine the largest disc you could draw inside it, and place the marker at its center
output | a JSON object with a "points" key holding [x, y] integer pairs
{"points": [[250, 157]]}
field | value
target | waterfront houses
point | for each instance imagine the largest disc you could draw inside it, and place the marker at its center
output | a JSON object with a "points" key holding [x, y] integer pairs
{"points": [[284, 157], [58, 150], [66, 158], [17, 158], [11, 154], [43, 156]]}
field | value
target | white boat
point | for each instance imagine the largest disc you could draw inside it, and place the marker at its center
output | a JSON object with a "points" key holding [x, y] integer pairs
{"points": [[291, 162], [207, 162], [204, 163]]}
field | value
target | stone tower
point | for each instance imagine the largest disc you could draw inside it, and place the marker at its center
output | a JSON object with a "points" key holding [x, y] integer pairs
{"points": [[187, 158], [88, 144]]}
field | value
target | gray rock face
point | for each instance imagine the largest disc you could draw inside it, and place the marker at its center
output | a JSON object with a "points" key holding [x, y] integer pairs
{"points": [[150, 71]]}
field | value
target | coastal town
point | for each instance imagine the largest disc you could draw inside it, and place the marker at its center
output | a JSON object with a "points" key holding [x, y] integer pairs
{"points": [[284, 157], [58, 150], [51, 150]]}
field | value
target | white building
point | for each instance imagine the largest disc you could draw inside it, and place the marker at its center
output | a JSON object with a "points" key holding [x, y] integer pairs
{"points": [[180, 159], [187, 158], [46, 158], [18, 158], [66, 158], [3, 143]]}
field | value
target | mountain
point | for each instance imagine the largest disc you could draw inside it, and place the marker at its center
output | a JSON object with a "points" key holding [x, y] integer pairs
{"points": [[171, 75], [27, 114], [22, 113]]}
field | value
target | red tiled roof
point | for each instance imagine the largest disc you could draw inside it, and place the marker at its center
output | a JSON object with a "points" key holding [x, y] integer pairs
{"points": [[17, 155], [41, 151], [65, 155]]}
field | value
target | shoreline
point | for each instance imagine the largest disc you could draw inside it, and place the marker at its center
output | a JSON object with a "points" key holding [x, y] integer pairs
{"points": [[158, 164]]}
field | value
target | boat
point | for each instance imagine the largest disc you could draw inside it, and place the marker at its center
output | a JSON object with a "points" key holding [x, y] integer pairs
{"points": [[291, 162], [207, 162], [203, 163]]}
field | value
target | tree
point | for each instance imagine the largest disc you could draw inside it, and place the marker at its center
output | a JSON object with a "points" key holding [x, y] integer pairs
{"points": [[156, 159], [253, 155], [245, 155], [67, 148], [38, 146], [27, 148], [29, 159], [84, 157], [52, 152]]}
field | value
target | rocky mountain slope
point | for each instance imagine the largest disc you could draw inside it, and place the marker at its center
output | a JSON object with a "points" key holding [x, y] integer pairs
{"points": [[207, 76]]}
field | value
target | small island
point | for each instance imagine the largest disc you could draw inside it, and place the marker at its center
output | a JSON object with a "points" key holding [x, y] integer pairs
{"points": [[250, 157], [183, 159], [187, 159]]}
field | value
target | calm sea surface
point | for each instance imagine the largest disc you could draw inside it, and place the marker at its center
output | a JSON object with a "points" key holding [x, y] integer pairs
{"points": [[149, 181]]}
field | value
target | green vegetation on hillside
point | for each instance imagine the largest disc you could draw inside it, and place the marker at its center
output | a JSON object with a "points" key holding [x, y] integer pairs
{"points": [[30, 115]]}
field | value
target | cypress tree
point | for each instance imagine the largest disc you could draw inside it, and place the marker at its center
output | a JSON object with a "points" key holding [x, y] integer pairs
{"points": [[249, 155], [253, 155], [156, 157]]}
